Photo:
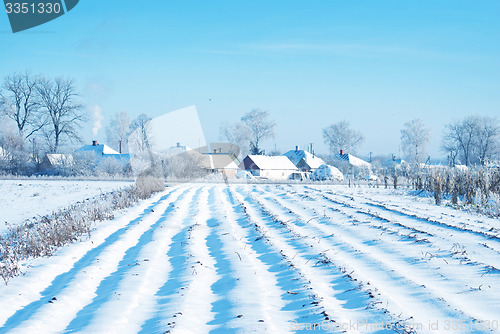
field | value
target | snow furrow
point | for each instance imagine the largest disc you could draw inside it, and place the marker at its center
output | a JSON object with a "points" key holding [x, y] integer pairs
{"points": [[418, 277], [319, 279], [78, 290], [256, 293], [127, 296], [193, 310], [46, 275], [450, 237]]}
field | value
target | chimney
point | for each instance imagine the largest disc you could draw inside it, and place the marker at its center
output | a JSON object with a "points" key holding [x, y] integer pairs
{"points": [[94, 142], [178, 144], [341, 152], [296, 148]]}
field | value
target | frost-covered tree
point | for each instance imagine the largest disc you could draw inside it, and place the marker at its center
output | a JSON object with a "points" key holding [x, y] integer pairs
{"points": [[62, 111], [117, 132], [414, 139], [473, 140], [260, 126], [20, 101], [141, 133], [340, 136], [488, 139], [236, 134]]}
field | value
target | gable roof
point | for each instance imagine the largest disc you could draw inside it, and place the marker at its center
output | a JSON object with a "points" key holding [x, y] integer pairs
{"points": [[279, 162], [58, 159], [352, 160], [98, 149], [309, 159]]}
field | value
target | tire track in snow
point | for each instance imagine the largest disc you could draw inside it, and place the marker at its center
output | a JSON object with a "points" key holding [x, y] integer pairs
{"points": [[389, 262], [77, 287], [125, 298], [328, 286]]}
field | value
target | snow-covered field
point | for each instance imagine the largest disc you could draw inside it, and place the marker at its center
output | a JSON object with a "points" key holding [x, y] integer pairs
{"points": [[268, 259], [26, 199]]}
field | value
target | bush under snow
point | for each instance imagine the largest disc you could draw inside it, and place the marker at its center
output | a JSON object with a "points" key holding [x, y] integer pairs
{"points": [[326, 173]]}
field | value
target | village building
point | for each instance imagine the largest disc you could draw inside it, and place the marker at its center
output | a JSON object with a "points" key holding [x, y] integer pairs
{"points": [[303, 160], [352, 160], [270, 167]]}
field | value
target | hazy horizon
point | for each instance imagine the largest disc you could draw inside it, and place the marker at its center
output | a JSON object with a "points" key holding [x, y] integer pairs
{"points": [[376, 65]]}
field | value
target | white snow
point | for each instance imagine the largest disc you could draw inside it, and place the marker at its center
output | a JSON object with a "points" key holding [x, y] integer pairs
{"points": [[26, 199], [270, 259], [326, 173]]}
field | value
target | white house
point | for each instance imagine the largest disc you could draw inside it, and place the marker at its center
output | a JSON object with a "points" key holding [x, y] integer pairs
{"points": [[275, 167], [303, 160]]}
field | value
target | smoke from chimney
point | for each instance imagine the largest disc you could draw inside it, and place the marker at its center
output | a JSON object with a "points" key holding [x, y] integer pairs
{"points": [[98, 117]]}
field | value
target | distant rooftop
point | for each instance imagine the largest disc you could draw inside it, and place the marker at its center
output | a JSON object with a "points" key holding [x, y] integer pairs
{"points": [[97, 148]]}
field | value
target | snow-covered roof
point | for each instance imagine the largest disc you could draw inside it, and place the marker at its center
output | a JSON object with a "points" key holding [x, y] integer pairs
{"points": [[58, 159], [352, 160], [279, 162], [98, 149], [311, 160]]}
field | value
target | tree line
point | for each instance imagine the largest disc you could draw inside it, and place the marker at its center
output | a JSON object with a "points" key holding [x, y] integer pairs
{"points": [[47, 114], [43, 108], [473, 140], [39, 115]]}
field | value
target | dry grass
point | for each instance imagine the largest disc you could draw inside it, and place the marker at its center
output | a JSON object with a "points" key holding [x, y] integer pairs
{"points": [[44, 237]]}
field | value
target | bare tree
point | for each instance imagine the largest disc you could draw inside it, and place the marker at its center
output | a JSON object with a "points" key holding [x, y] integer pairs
{"points": [[414, 139], [260, 126], [488, 139], [118, 130], [19, 100], [141, 141], [63, 113], [141, 136], [339, 136], [236, 134], [472, 140]]}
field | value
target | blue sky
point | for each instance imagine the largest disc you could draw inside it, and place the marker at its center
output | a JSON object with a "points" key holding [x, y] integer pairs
{"points": [[376, 64]]}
